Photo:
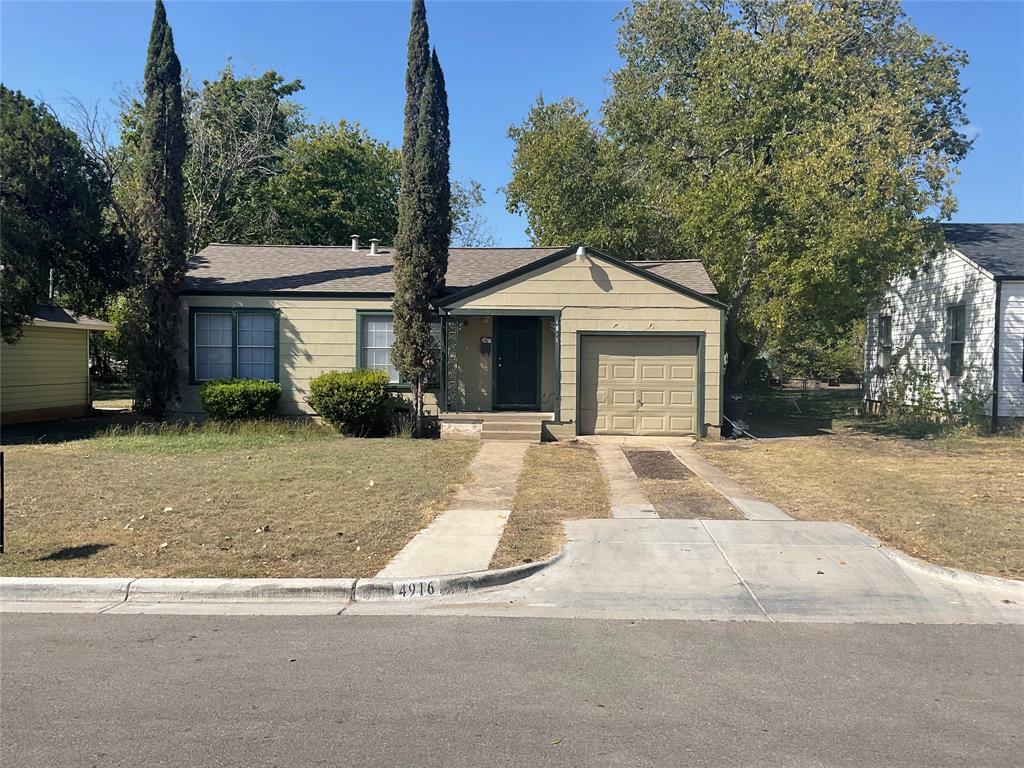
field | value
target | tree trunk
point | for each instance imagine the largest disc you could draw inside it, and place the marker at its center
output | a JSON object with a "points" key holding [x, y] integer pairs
{"points": [[740, 355]]}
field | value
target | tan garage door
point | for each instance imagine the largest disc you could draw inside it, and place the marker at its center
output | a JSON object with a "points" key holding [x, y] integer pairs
{"points": [[638, 385]]}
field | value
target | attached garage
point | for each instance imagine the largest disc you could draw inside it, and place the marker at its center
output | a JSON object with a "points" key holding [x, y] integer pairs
{"points": [[629, 348], [639, 385]]}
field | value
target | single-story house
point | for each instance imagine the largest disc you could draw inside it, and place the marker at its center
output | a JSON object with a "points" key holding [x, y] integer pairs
{"points": [[554, 341], [961, 320], [45, 375]]}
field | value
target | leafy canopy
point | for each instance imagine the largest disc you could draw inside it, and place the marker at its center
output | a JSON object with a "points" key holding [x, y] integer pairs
{"points": [[52, 197], [801, 150]]}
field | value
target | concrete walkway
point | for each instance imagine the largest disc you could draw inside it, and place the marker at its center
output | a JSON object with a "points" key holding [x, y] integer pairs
{"points": [[626, 494], [752, 507], [738, 570], [464, 537]]}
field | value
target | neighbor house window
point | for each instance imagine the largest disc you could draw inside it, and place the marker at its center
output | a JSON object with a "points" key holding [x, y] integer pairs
{"points": [[234, 344], [956, 325], [377, 337], [884, 342]]}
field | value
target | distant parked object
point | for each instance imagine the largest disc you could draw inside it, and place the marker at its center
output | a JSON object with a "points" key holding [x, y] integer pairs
{"points": [[46, 374], [960, 323]]}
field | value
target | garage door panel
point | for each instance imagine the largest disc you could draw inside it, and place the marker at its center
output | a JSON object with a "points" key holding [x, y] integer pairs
{"points": [[681, 397], [652, 397], [684, 373], [638, 385], [623, 397]]}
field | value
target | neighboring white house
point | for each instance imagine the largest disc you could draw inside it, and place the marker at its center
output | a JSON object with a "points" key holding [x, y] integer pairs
{"points": [[962, 320]]}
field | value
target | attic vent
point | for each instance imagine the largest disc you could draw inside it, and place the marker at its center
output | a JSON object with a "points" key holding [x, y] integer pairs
{"points": [[355, 242], [374, 242]]}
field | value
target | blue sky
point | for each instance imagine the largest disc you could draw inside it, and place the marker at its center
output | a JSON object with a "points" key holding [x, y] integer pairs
{"points": [[497, 56]]}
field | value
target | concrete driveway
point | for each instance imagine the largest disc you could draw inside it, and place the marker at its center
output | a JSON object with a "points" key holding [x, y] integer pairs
{"points": [[742, 570]]}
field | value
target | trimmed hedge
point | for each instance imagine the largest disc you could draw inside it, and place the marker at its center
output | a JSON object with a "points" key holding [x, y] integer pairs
{"points": [[355, 402], [240, 399]]}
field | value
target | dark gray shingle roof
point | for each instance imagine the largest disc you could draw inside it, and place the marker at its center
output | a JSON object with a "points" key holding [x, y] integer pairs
{"points": [[998, 248], [227, 268], [58, 315]]}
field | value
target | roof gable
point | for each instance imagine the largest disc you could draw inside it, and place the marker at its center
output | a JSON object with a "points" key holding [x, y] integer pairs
{"points": [[631, 267]]}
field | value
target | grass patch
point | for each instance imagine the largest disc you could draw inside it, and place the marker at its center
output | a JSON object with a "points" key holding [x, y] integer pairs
{"points": [[210, 436], [272, 500], [559, 482], [954, 501]]}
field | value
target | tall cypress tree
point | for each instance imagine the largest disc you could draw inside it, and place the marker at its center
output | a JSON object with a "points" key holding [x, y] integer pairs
{"points": [[424, 213], [153, 319]]}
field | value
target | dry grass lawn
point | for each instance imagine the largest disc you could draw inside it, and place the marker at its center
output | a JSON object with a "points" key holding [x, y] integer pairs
{"points": [[956, 501], [275, 502], [559, 482]]}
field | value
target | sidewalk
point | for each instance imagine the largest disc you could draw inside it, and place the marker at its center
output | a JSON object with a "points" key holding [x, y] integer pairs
{"points": [[464, 537]]}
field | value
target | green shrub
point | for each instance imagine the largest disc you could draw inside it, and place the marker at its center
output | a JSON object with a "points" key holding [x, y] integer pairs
{"points": [[238, 399], [356, 402]]}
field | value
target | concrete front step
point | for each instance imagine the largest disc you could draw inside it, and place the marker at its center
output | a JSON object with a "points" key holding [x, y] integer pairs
{"points": [[526, 435]]}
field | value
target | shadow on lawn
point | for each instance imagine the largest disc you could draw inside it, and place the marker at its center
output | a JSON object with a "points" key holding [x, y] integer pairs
{"points": [[49, 432], [73, 553]]}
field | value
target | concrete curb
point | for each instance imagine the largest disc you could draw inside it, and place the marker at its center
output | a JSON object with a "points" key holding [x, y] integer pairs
{"points": [[18, 589], [57, 588], [240, 590], [375, 590], [953, 575]]}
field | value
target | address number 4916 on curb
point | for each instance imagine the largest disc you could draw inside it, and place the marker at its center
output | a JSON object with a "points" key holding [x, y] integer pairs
{"points": [[409, 589]]}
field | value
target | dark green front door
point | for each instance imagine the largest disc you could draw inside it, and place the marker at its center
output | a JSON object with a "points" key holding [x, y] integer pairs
{"points": [[516, 363]]}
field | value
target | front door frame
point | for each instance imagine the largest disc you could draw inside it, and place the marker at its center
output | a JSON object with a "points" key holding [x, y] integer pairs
{"points": [[495, 346]]}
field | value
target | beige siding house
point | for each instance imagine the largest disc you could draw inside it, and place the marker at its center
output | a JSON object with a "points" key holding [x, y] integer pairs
{"points": [[45, 375], [552, 342]]}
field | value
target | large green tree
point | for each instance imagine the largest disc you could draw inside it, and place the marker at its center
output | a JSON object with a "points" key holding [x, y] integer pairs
{"points": [[336, 180], [152, 315], [238, 130], [803, 151], [424, 217], [52, 198]]}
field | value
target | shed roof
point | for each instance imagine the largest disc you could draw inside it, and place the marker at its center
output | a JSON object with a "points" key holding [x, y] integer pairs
{"points": [[51, 315], [997, 248], [299, 269]]}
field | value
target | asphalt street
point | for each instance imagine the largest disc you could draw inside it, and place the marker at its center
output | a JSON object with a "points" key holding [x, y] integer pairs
{"points": [[117, 690]]}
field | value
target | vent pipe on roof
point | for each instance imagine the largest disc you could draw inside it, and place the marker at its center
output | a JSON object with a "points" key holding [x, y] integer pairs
{"points": [[374, 242], [581, 253], [355, 242]]}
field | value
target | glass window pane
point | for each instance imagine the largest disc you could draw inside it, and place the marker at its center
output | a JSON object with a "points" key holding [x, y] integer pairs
{"points": [[212, 346], [256, 345]]}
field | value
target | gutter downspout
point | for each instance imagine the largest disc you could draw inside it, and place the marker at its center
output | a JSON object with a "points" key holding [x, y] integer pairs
{"points": [[995, 357]]}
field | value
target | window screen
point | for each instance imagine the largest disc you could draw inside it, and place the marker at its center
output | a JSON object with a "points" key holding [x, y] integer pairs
{"points": [[213, 346], [256, 346], [378, 336]]}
